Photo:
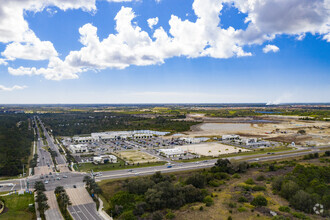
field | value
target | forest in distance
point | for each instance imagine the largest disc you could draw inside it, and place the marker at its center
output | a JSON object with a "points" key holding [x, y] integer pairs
{"points": [[77, 123]]}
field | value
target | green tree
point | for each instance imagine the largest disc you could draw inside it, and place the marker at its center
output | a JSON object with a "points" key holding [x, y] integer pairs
{"points": [[303, 201], [197, 180], [289, 189]]}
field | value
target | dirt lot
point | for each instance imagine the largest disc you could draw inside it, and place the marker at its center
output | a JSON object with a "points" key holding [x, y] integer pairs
{"points": [[276, 128], [137, 157], [211, 149]]}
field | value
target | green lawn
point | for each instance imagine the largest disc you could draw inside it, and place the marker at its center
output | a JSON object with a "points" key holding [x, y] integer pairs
{"points": [[18, 207], [86, 167]]}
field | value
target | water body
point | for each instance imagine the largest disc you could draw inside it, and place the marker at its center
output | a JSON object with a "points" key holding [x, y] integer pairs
{"points": [[267, 112]]}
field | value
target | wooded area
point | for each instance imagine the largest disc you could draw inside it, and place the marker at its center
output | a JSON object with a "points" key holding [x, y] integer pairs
{"points": [[69, 124], [15, 143]]}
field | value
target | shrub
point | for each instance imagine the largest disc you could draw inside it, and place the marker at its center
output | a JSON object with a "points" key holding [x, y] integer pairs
{"points": [[242, 209], [261, 178], [280, 217], [236, 175], [229, 218], [303, 201], [201, 208], [128, 216], [242, 199], [259, 201], [272, 167], [208, 200], [249, 181], [170, 215], [284, 209], [197, 180], [157, 216], [300, 215], [232, 205], [258, 188], [215, 183]]}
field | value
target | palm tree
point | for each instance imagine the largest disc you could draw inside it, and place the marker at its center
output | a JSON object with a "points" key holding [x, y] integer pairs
{"points": [[88, 180], [59, 190], [39, 186]]}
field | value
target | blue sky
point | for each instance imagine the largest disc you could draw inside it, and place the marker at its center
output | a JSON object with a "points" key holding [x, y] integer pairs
{"points": [[296, 67]]}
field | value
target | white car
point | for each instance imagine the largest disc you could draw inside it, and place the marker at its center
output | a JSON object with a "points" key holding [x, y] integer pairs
{"points": [[46, 181]]}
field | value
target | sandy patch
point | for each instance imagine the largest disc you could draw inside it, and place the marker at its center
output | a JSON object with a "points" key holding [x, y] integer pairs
{"points": [[211, 149], [137, 157]]}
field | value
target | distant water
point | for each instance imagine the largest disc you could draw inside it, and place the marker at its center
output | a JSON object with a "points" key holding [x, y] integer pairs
{"points": [[265, 112]]}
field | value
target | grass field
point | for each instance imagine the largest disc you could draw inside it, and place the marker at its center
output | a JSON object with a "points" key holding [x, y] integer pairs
{"points": [[18, 207]]}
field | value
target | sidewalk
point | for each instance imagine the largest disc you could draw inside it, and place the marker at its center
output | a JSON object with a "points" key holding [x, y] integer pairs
{"points": [[102, 212]]}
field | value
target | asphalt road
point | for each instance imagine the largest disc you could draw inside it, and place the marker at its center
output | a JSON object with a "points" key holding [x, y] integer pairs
{"points": [[198, 165], [85, 212], [59, 158], [43, 155]]}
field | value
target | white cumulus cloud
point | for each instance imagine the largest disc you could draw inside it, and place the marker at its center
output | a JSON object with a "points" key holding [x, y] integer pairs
{"points": [[152, 22], [131, 45], [270, 48], [9, 89]]}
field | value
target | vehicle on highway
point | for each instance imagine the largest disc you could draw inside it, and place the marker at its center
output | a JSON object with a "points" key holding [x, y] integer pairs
{"points": [[64, 176], [130, 170], [58, 178], [257, 159], [169, 166]]}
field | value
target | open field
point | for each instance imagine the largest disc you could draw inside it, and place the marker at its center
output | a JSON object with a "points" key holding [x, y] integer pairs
{"points": [[212, 149], [137, 157], [18, 207]]}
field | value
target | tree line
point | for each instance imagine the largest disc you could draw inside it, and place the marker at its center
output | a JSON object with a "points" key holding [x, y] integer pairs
{"points": [[15, 143], [69, 124]]}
